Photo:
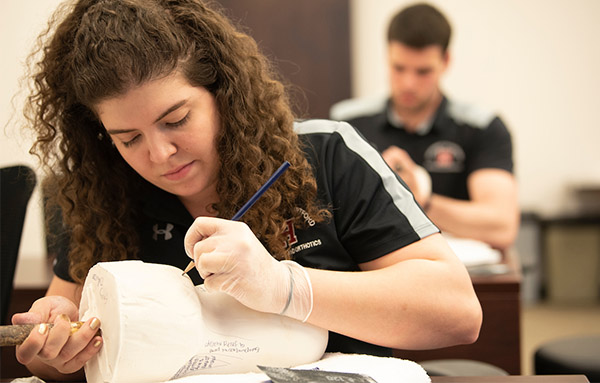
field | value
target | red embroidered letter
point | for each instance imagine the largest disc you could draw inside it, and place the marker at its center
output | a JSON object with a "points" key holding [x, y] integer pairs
{"points": [[290, 232]]}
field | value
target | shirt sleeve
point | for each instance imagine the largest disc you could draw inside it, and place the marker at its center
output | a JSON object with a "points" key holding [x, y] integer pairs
{"points": [[373, 211], [61, 268], [59, 249], [493, 149]]}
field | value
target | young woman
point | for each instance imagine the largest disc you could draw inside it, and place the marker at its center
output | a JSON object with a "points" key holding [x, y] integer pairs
{"points": [[156, 121]]}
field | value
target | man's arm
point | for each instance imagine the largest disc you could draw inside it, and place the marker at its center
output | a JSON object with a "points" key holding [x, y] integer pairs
{"points": [[491, 215]]}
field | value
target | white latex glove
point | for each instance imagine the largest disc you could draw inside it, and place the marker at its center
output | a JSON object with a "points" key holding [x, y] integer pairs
{"points": [[415, 176], [231, 259]]}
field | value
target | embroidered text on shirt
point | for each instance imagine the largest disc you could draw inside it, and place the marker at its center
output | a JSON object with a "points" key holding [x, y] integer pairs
{"points": [[166, 232]]}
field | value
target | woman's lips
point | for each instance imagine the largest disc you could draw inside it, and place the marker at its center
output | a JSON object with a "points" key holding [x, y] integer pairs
{"points": [[179, 172]]}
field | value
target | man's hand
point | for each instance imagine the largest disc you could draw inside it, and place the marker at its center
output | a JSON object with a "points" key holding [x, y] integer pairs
{"points": [[415, 176]]}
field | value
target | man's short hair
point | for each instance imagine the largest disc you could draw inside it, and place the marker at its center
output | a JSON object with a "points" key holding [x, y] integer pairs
{"points": [[419, 26]]}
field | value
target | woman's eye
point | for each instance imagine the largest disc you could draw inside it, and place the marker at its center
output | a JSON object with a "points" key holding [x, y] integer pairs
{"points": [[130, 142], [178, 123]]}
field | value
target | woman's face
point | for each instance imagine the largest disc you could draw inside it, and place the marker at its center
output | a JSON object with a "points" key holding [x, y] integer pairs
{"points": [[165, 130]]}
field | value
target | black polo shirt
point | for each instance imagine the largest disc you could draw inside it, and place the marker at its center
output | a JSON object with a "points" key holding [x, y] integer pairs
{"points": [[373, 215], [458, 141]]}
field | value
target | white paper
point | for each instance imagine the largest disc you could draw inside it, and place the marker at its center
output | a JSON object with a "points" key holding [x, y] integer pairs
{"points": [[382, 370], [472, 252]]}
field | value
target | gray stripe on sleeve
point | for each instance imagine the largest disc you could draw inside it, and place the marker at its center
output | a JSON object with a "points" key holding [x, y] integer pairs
{"points": [[399, 194]]}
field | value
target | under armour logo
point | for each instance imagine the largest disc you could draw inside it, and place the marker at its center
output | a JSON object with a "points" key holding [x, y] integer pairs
{"points": [[166, 232]]}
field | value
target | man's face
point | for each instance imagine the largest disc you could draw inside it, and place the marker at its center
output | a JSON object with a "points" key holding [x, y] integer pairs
{"points": [[415, 75]]}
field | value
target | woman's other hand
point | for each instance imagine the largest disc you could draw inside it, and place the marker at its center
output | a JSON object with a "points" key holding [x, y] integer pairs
{"points": [[57, 346]]}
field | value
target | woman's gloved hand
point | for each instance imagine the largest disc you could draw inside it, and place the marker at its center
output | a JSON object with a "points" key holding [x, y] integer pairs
{"points": [[231, 259]]}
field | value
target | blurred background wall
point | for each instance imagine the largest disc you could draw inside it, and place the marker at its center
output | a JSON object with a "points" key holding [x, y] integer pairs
{"points": [[20, 23]]}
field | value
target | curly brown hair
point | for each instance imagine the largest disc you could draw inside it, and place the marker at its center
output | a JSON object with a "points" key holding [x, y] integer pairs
{"points": [[94, 50]]}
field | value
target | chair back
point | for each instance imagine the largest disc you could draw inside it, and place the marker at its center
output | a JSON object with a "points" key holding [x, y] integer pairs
{"points": [[16, 186]]}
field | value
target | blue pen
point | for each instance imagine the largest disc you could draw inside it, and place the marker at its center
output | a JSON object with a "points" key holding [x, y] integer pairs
{"points": [[252, 200]]}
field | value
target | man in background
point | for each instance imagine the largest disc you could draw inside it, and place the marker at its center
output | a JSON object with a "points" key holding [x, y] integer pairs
{"points": [[457, 159]]}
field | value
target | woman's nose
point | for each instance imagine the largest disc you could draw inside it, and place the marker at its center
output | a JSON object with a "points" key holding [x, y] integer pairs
{"points": [[160, 148]]}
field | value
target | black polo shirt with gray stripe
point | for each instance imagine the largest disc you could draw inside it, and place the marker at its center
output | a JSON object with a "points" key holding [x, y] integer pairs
{"points": [[459, 140], [373, 215]]}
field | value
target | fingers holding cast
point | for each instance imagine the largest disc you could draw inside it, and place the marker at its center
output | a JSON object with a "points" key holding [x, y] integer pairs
{"points": [[82, 345], [61, 346]]}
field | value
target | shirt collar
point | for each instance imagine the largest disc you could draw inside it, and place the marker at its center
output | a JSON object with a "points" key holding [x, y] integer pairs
{"points": [[164, 206], [424, 127]]}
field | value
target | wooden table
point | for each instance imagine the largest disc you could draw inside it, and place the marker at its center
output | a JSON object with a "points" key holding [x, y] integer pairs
{"points": [[499, 340], [511, 379]]}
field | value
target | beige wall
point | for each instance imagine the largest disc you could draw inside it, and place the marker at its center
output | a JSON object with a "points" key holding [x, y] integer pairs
{"points": [[20, 22], [536, 62]]}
